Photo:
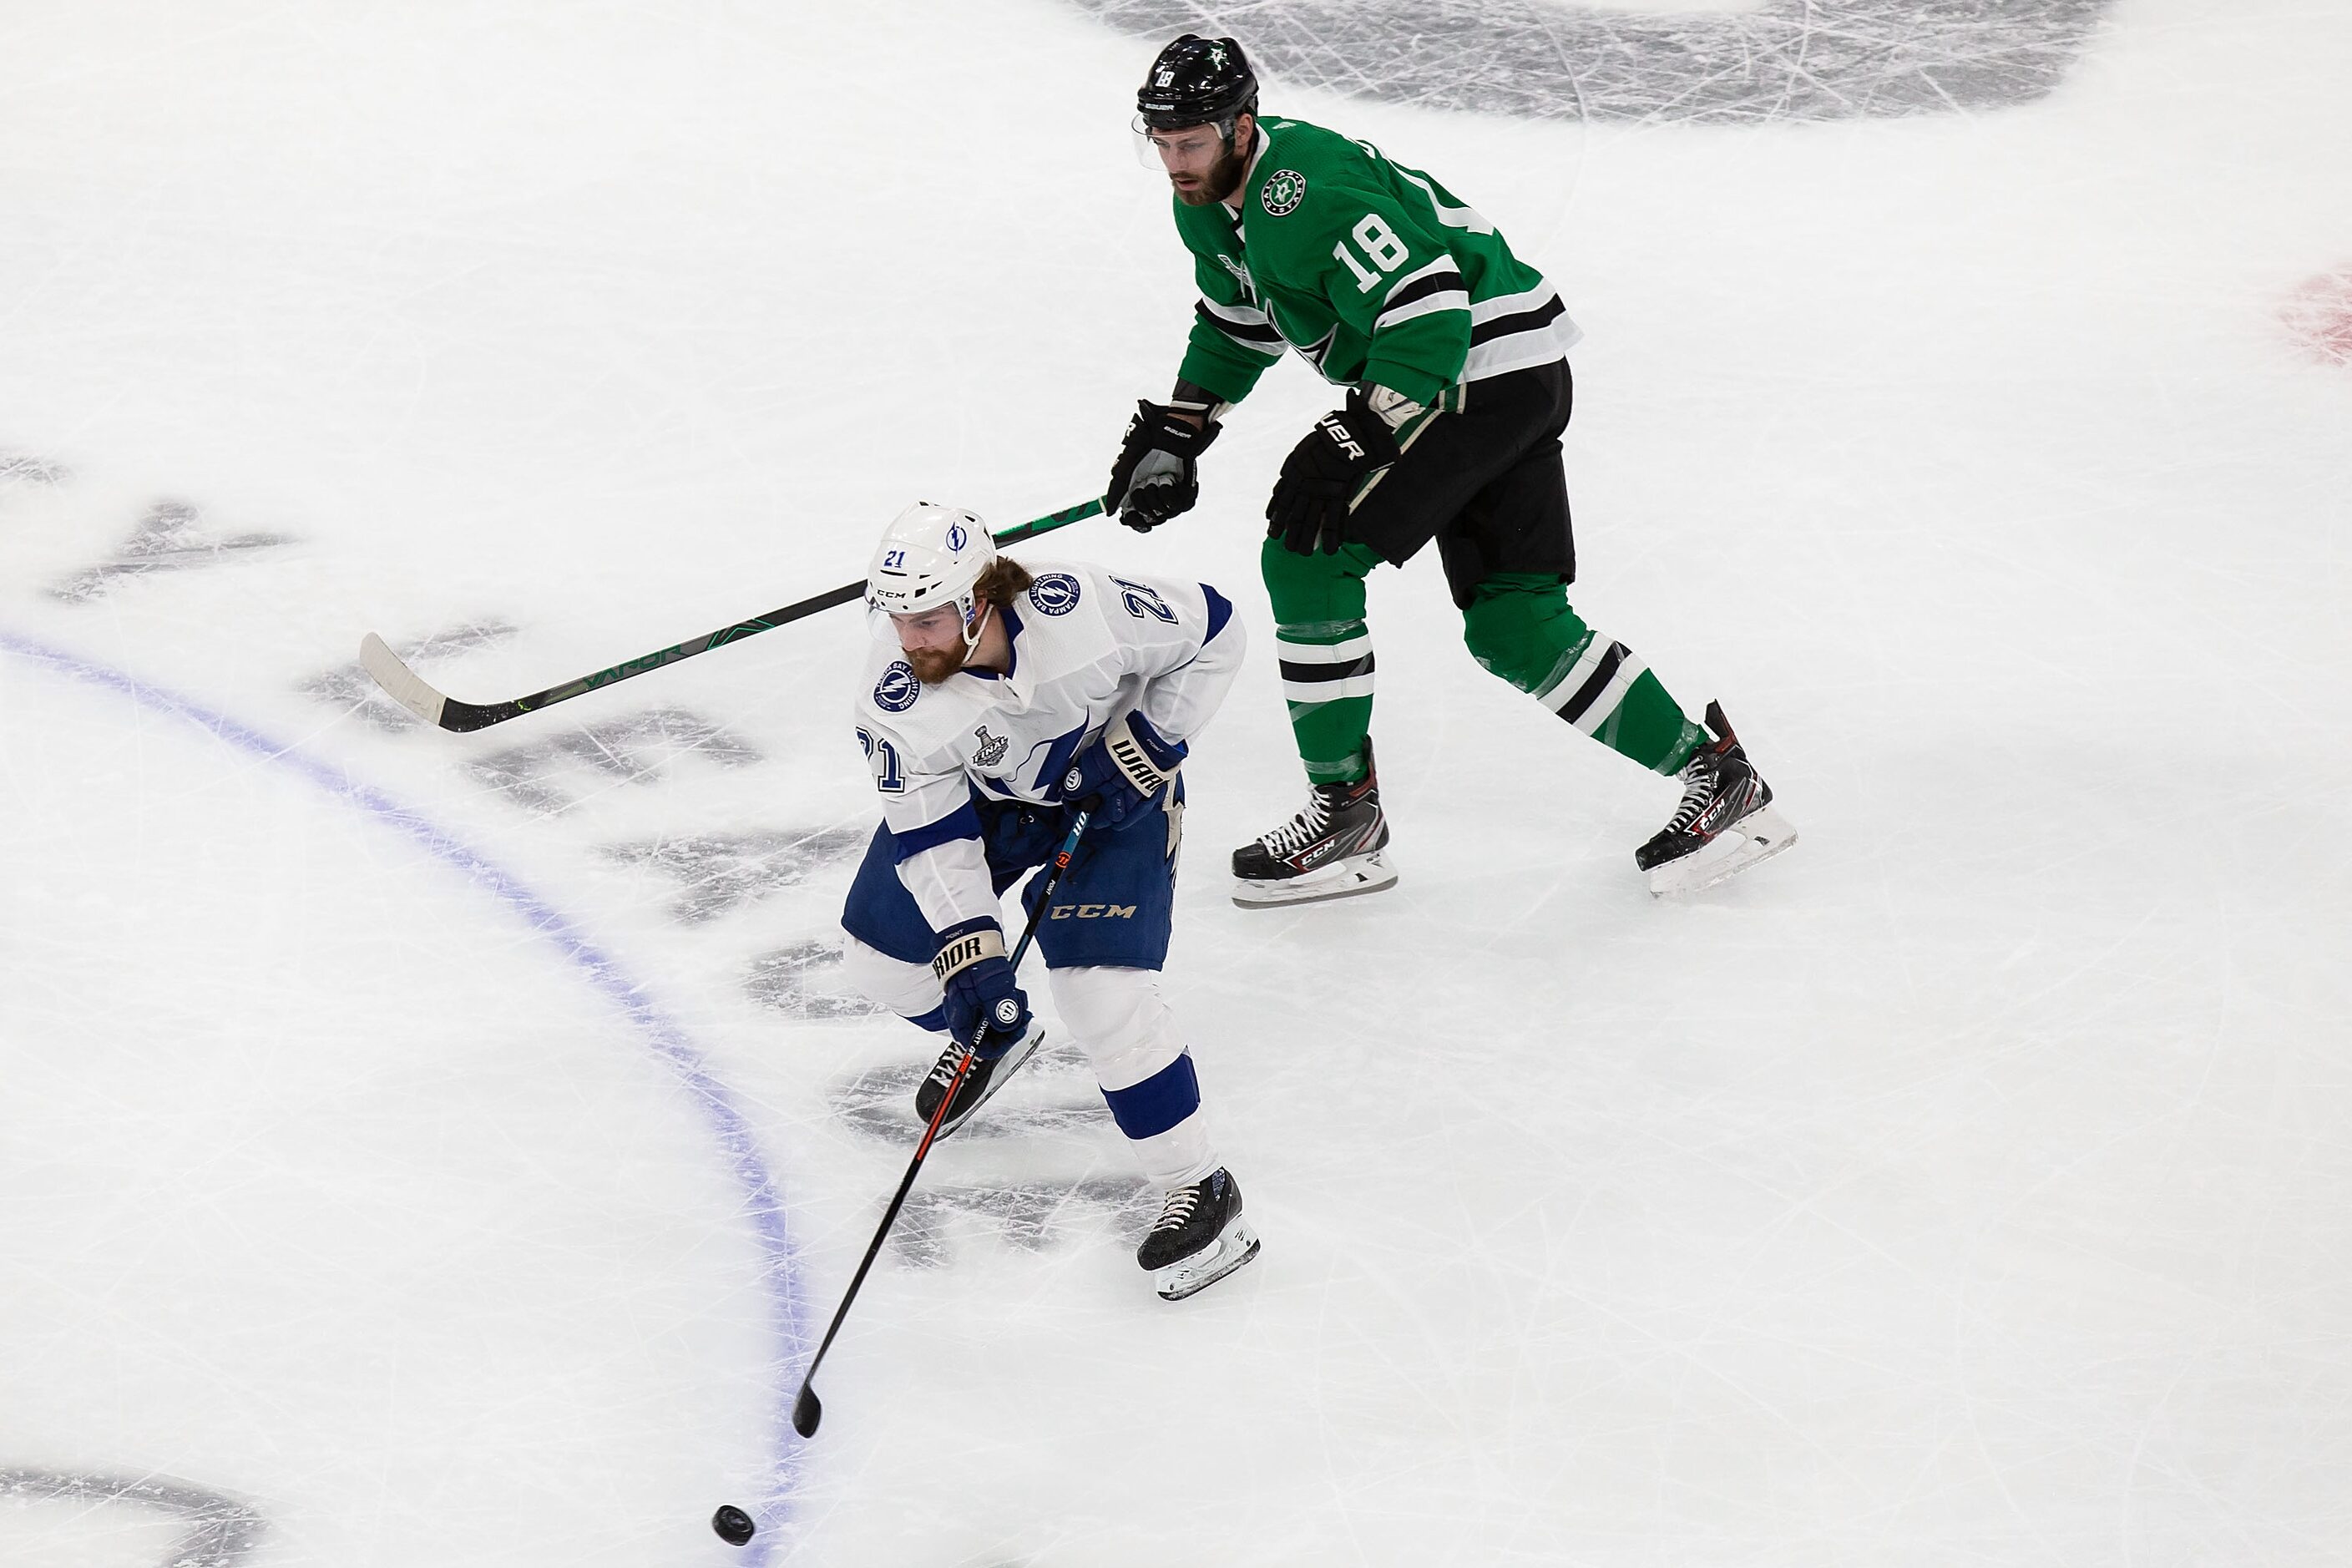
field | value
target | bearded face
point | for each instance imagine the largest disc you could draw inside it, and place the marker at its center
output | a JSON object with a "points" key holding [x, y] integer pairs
{"points": [[1202, 164], [933, 665], [933, 642]]}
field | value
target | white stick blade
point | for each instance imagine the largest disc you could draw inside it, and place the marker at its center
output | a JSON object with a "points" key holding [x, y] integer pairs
{"points": [[399, 682]]}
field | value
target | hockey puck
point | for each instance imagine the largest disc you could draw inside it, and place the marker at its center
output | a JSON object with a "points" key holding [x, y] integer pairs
{"points": [[734, 1525]]}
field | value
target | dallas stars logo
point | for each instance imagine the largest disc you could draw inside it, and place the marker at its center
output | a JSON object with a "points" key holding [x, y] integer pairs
{"points": [[1285, 189]]}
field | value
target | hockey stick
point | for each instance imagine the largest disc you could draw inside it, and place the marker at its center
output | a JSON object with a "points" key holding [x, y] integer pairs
{"points": [[405, 687], [807, 1409]]}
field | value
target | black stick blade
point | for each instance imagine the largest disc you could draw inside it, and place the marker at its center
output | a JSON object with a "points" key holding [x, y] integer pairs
{"points": [[807, 1410]]}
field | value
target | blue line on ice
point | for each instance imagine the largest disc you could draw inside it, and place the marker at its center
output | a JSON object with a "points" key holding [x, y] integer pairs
{"points": [[668, 1041]]}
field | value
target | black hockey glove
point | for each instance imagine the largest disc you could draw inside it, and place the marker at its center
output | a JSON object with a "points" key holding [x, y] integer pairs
{"points": [[1116, 778], [977, 979], [1308, 510], [1153, 479]]}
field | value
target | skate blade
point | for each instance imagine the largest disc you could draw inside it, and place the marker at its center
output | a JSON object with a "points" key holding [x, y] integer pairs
{"points": [[1356, 875], [1191, 1276], [1752, 840], [1005, 1067]]}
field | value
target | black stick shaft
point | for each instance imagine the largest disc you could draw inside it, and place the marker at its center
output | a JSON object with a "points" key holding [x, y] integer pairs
{"points": [[466, 716], [806, 1408]]}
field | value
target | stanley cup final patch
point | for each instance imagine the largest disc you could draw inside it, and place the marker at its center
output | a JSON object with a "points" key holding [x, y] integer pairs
{"points": [[1285, 189]]}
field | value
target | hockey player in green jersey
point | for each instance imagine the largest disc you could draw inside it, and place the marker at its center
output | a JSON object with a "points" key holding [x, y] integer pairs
{"points": [[1453, 352]]}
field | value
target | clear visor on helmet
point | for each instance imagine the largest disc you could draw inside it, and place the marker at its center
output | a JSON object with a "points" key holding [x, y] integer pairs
{"points": [[1191, 151], [929, 628]]}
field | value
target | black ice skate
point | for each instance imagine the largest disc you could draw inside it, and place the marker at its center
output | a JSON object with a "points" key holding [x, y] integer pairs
{"points": [[1725, 824], [1199, 1239], [984, 1080], [1334, 848]]}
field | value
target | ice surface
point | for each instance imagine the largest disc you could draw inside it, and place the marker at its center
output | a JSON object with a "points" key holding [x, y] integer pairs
{"points": [[421, 1148], [1770, 59]]}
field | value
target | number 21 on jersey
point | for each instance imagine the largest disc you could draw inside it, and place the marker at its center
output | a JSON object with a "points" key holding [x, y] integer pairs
{"points": [[890, 774]]}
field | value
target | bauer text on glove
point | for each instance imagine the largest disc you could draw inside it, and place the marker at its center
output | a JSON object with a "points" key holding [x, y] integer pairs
{"points": [[1320, 479]]}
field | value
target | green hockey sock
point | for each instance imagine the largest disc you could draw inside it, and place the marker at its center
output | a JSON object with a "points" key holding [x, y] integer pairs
{"points": [[1325, 654], [1519, 627]]}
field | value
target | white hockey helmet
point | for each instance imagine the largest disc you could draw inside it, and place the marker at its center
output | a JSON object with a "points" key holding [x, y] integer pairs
{"points": [[930, 555]]}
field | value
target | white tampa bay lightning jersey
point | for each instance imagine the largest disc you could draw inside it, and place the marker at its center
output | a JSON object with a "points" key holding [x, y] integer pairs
{"points": [[1089, 645]]}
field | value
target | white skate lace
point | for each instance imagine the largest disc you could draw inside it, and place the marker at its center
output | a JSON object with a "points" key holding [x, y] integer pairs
{"points": [[1181, 1204], [943, 1072], [1698, 792], [1301, 831]]}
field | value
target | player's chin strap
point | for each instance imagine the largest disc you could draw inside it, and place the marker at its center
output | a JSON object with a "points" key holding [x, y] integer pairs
{"points": [[974, 625]]}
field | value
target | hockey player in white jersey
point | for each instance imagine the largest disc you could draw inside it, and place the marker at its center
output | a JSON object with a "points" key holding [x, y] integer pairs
{"points": [[999, 699]]}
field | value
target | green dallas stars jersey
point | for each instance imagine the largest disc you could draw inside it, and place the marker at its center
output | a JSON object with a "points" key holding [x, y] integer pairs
{"points": [[1373, 271]]}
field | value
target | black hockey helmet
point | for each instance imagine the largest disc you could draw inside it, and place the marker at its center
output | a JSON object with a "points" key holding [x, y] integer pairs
{"points": [[1196, 81]]}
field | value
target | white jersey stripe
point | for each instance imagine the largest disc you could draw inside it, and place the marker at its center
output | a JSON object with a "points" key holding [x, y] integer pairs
{"points": [[1239, 315], [1521, 349], [1307, 693], [1512, 304], [1452, 299], [1346, 652], [1629, 671], [1569, 680], [1443, 264]]}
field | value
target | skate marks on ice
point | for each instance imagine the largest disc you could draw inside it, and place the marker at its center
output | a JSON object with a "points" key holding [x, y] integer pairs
{"points": [[552, 773], [1054, 1093], [1552, 59], [719, 872], [546, 775], [218, 1531], [1055, 1096], [550, 776], [798, 981], [225, 1532], [169, 538], [1030, 1216], [20, 468]]}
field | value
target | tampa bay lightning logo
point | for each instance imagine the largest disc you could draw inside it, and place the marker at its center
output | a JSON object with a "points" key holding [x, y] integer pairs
{"points": [[956, 537], [1055, 593], [897, 690]]}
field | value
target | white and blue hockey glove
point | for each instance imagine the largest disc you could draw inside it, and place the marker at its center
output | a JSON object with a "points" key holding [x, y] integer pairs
{"points": [[977, 979], [1116, 779]]}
